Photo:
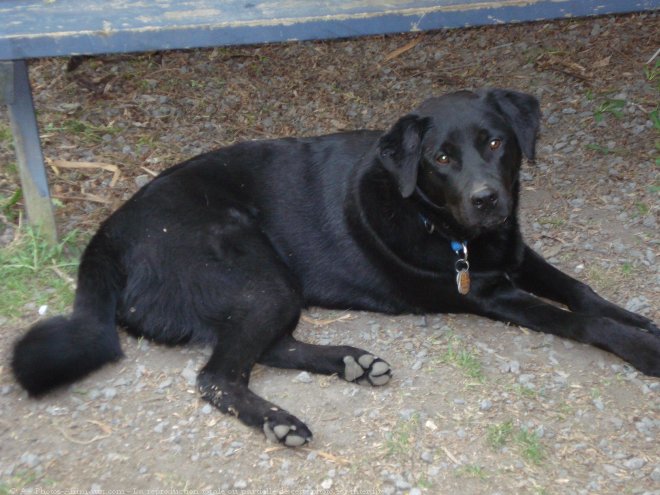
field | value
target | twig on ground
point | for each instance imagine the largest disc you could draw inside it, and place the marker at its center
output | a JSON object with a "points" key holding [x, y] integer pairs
{"points": [[57, 164]]}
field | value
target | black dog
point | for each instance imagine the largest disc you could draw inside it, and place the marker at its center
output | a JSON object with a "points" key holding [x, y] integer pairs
{"points": [[229, 246]]}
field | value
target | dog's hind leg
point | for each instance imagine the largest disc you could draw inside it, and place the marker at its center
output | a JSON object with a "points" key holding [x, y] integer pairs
{"points": [[251, 301], [224, 383], [350, 363]]}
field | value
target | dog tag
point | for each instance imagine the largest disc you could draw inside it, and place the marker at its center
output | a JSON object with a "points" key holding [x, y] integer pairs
{"points": [[463, 281], [462, 267]]}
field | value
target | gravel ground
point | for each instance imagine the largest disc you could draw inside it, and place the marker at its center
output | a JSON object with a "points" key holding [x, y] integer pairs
{"points": [[475, 407]]}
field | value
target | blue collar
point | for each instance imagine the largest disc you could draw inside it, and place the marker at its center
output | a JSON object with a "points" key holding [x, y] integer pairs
{"points": [[459, 247], [462, 265]]}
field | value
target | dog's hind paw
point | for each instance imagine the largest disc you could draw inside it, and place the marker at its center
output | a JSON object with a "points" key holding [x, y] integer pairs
{"points": [[287, 430], [367, 368]]}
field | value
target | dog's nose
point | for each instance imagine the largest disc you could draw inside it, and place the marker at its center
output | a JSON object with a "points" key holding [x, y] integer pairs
{"points": [[484, 199]]}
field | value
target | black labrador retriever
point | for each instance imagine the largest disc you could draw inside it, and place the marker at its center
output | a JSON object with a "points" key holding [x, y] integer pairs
{"points": [[229, 246]]}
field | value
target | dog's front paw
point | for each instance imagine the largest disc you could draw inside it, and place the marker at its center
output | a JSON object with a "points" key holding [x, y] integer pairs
{"points": [[284, 428], [367, 368]]}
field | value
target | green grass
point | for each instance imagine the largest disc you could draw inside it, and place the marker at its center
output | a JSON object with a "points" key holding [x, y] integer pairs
{"points": [[472, 471], [642, 208], [8, 205], [552, 221], [525, 392], [18, 482], [34, 272], [530, 446], [461, 356], [90, 132], [611, 106], [652, 73], [627, 269], [499, 434], [400, 439], [528, 443], [654, 116], [604, 150], [6, 139]]}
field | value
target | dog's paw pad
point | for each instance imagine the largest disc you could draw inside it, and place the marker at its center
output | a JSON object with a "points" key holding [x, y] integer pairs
{"points": [[380, 373], [365, 360], [367, 368], [352, 369], [286, 432]]}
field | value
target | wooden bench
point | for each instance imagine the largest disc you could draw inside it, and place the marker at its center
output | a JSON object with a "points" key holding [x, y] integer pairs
{"points": [[52, 28]]}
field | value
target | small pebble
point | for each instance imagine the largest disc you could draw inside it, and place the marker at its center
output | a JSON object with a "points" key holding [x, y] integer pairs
{"points": [[638, 304], [109, 392], [511, 367], [142, 180], [189, 375], [634, 463], [30, 460], [303, 377], [655, 474], [406, 414], [421, 322], [165, 384], [402, 484]]}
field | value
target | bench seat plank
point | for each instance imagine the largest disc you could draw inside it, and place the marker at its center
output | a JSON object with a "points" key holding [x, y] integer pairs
{"points": [[47, 28], [43, 28]]}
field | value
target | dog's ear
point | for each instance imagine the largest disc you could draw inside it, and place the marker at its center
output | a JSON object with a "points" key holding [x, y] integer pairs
{"points": [[400, 151], [524, 115]]}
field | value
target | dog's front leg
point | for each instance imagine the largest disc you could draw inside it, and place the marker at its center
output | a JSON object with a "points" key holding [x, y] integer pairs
{"points": [[500, 300], [539, 277]]}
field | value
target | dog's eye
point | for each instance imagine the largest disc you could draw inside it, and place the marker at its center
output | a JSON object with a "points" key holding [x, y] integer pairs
{"points": [[495, 143], [442, 159]]}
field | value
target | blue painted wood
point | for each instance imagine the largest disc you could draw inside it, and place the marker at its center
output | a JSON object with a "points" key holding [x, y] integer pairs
{"points": [[28, 148], [44, 28], [38, 28]]}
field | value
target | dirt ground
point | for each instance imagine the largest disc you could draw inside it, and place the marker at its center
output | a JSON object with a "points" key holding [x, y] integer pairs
{"points": [[475, 407]]}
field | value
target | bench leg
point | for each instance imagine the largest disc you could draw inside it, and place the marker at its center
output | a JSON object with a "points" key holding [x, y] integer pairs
{"points": [[15, 87]]}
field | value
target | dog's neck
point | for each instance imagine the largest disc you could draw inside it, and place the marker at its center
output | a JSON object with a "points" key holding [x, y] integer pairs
{"points": [[435, 218]]}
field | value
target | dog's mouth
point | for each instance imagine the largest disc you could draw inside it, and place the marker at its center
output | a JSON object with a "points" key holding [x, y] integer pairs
{"points": [[475, 224], [477, 229], [494, 223]]}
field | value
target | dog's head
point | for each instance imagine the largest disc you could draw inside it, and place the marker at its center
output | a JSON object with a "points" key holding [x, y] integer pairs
{"points": [[461, 154]]}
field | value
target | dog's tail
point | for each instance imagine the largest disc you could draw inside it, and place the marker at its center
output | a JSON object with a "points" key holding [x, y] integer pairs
{"points": [[62, 349]]}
